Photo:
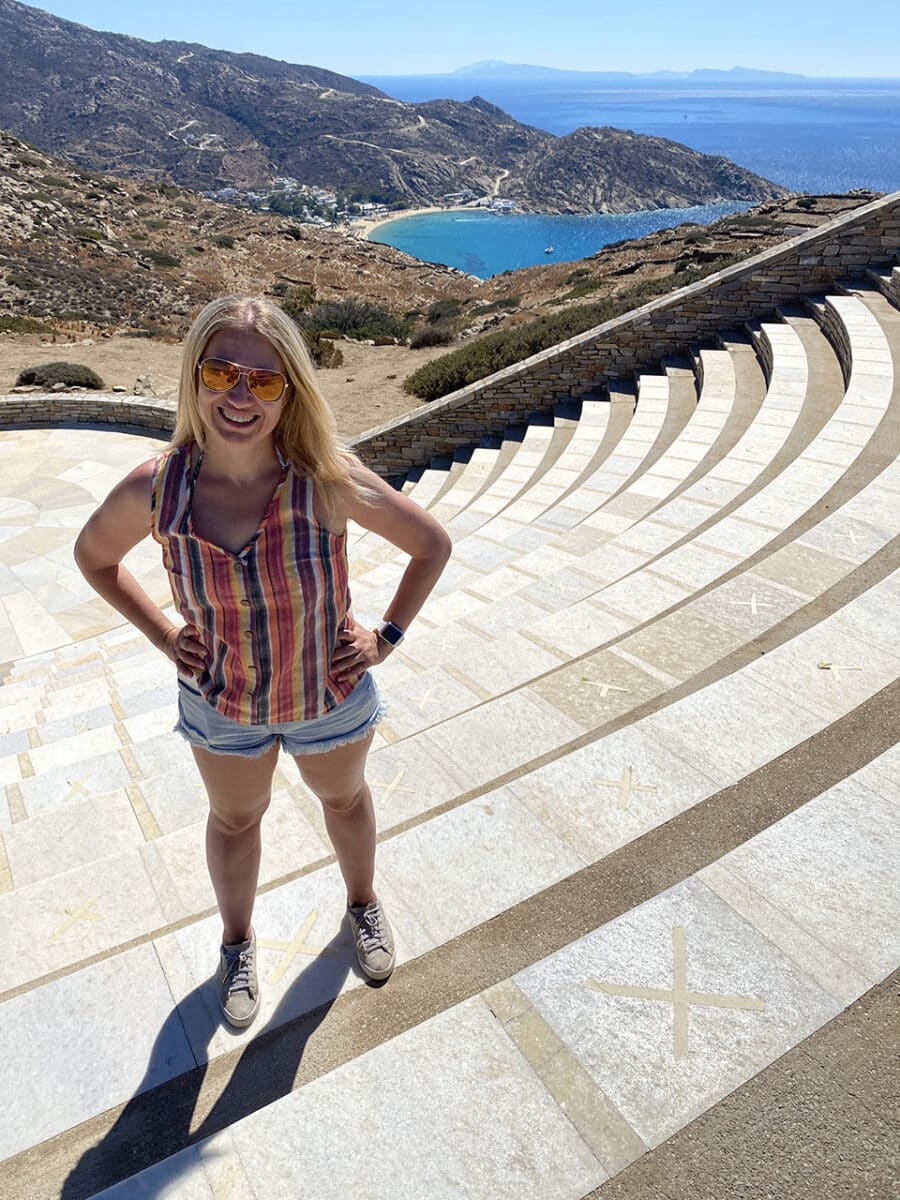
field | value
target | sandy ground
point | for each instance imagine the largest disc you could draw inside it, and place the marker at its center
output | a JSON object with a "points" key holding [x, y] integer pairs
{"points": [[364, 392], [364, 226]]}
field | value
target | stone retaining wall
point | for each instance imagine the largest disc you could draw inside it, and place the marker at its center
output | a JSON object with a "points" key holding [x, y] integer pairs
{"points": [[806, 265], [40, 409]]}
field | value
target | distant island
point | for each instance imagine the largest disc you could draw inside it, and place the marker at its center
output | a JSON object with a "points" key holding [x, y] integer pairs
{"points": [[496, 69]]}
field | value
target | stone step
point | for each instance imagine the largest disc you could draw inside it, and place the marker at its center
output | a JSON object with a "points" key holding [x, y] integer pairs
{"points": [[756, 944], [495, 850]]}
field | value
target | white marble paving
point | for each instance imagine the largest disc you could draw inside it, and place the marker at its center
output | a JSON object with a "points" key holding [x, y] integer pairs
{"points": [[630, 1044], [473, 862], [604, 795], [77, 834], [73, 1048], [451, 1104], [831, 866]]}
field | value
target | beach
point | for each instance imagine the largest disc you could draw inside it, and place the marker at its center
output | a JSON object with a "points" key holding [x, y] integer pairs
{"points": [[363, 227]]}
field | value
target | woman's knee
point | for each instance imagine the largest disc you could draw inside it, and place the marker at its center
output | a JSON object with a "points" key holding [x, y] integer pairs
{"points": [[237, 815], [343, 803]]}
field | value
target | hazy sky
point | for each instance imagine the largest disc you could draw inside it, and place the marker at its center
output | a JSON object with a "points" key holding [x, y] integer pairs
{"points": [[400, 37]]}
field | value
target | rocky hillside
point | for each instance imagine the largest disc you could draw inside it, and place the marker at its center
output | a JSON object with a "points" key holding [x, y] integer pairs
{"points": [[91, 252], [206, 119], [80, 247]]}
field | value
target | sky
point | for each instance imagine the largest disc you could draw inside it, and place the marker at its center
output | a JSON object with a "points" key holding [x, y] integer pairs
{"points": [[415, 37]]}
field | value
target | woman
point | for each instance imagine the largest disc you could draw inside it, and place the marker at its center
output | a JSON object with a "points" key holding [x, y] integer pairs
{"points": [[250, 505]]}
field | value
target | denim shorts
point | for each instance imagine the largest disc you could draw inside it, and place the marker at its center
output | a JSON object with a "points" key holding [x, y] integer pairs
{"points": [[202, 725]]}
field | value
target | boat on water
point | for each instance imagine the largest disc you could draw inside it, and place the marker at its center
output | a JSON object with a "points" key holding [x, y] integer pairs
{"points": [[548, 249]]}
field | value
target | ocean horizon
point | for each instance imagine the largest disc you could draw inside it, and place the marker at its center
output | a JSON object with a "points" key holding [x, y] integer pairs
{"points": [[812, 135]]}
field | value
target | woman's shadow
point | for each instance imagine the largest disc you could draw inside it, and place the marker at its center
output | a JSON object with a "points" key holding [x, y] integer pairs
{"points": [[157, 1123]]}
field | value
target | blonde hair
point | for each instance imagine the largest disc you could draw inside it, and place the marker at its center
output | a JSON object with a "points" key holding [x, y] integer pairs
{"points": [[306, 432]]}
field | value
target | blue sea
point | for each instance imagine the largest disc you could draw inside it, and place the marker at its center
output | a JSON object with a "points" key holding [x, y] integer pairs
{"points": [[812, 135], [484, 244]]}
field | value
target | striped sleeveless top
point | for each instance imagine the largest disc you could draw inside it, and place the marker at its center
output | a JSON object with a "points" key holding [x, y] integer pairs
{"points": [[269, 616]]}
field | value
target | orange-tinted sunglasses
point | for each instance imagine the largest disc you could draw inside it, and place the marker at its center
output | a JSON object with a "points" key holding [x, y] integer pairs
{"points": [[220, 375]]}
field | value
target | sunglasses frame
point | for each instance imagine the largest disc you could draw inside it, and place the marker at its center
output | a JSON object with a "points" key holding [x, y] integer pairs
{"points": [[249, 372]]}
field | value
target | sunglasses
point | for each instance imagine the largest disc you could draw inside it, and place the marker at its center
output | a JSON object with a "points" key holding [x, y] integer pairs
{"points": [[220, 375]]}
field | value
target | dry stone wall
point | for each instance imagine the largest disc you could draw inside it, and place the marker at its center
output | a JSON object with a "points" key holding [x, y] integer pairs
{"points": [[37, 409]]}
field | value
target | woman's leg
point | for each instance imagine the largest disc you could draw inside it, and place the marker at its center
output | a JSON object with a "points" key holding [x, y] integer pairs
{"points": [[239, 791], [337, 777]]}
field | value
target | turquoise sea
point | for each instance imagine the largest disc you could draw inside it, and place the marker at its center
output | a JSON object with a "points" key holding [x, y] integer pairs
{"points": [[483, 244], [813, 135]]}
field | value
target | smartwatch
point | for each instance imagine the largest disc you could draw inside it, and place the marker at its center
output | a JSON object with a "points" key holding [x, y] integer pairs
{"points": [[390, 632]]}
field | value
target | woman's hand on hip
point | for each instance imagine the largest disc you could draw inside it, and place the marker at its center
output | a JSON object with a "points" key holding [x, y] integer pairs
{"points": [[184, 647], [357, 649]]}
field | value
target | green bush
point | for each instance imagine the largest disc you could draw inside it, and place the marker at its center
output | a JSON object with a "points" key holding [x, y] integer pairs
{"points": [[483, 357], [29, 160], [442, 310], [161, 259], [354, 317], [432, 335], [155, 223], [297, 300], [71, 374], [224, 241], [323, 352], [578, 273], [763, 224], [55, 181], [24, 282], [22, 325], [89, 235]]}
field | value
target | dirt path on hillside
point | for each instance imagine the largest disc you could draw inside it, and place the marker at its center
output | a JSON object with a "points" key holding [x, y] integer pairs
{"points": [[365, 391]]}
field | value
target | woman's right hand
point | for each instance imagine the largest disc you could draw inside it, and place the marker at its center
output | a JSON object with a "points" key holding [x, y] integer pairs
{"points": [[184, 647]]}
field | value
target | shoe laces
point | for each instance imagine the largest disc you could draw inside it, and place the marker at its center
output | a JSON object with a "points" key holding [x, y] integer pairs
{"points": [[370, 930], [239, 969]]}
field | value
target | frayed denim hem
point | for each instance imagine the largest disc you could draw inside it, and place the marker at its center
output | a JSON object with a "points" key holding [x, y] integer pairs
{"points": [[334, 743], [194, 739]]}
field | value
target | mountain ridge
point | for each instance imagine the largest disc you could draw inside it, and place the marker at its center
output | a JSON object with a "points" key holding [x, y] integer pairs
{"points": [[206, 119]]}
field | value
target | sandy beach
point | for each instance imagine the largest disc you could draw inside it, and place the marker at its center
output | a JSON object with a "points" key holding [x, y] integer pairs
{"points": [[364, 226]]}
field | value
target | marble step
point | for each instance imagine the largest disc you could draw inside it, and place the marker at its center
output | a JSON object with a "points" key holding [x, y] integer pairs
{"points": [[609, 1044], [488, 852]]}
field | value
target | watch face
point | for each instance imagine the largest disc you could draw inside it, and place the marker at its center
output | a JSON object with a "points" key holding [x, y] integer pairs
{"points": [[391, 633]]}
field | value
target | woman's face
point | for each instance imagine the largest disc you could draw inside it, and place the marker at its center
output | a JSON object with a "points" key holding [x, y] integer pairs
{"points": [[237, 417]]}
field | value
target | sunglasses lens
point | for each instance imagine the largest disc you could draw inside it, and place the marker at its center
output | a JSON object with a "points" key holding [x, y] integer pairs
{"points": [[218, 375], [266, 385]]}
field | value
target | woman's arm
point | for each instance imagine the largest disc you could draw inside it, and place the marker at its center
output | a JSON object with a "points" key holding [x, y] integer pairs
{"points": [[120, 522], [410, 528]]}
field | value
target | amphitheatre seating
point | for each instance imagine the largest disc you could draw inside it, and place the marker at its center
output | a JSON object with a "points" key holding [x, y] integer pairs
{"points": [[634, 792]]}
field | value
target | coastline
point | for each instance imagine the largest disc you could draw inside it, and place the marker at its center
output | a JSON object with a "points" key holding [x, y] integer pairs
{"points": [[364, 226]]}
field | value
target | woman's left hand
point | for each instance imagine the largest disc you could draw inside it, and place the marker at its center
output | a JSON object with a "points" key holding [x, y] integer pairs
{"points": [[358, 648]]}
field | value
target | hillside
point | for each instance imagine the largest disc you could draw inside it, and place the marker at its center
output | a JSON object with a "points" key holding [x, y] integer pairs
{"points": [[206, 118], [91, 252]]}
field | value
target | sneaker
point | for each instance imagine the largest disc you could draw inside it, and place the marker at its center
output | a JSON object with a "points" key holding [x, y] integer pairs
{"points": [[237, 984], [374, 940]]}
